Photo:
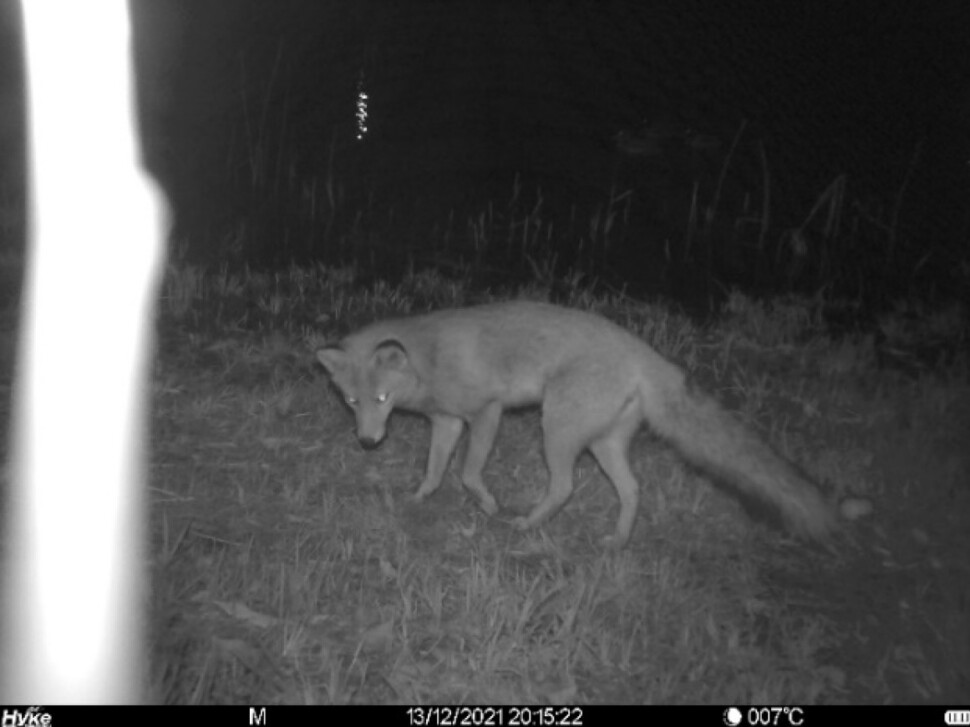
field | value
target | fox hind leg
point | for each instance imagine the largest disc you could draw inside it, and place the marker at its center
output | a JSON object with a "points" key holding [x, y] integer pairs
{"points": [[612, 452], [565, 432], [445, 431], [481, 437]]}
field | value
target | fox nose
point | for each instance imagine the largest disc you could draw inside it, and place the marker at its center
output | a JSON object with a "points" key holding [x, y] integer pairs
{"points": [[368, 442]]}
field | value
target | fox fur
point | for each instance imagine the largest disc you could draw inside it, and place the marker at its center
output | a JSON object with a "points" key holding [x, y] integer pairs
{"points": [[596, 384]]}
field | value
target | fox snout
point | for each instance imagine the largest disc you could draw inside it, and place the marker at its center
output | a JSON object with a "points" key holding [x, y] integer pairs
{"points": [[370, 431], [369, 441]]}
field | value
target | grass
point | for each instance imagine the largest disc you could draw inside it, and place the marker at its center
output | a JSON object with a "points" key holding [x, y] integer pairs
{"points": [[289, 567], [695, 212]]}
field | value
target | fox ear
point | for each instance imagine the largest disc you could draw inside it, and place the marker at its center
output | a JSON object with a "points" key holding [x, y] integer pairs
{"points": [[333, 359], [391, 354]]}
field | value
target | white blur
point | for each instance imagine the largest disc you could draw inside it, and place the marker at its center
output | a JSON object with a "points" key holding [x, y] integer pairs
{"points": [[73, 578]]}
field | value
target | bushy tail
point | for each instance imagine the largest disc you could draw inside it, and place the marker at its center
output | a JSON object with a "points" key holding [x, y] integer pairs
{"points": [[713, 440]]}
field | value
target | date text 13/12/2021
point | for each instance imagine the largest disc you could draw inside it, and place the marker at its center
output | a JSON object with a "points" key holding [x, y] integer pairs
{"points": [[467, 716]]}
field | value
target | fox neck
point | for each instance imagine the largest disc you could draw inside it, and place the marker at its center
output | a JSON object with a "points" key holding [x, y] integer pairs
{"points": [[413, 396]]}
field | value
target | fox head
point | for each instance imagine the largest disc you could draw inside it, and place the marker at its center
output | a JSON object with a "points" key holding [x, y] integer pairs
{"points": [[371, 383]]}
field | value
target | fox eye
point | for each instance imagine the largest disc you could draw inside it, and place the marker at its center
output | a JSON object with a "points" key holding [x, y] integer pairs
{"points": [[351, 401], [382, 397]]}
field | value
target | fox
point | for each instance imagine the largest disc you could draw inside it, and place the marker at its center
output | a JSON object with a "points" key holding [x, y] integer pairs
{"points": [[596, 384]]}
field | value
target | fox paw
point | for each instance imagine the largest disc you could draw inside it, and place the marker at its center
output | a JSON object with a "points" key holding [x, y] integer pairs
{"points": [[488, 505]]}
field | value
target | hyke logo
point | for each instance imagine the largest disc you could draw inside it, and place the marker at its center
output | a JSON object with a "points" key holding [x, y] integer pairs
{"points": [[33, 717]]}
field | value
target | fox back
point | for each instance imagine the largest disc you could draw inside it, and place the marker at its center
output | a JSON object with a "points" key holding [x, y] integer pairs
{"points": [[455, 361]]}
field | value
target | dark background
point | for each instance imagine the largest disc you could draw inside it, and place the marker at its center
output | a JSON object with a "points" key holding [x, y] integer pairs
{"points": [[248, 110]]}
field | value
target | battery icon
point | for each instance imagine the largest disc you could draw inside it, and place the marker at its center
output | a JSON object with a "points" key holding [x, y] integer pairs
{"points": [[957, 716]]}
